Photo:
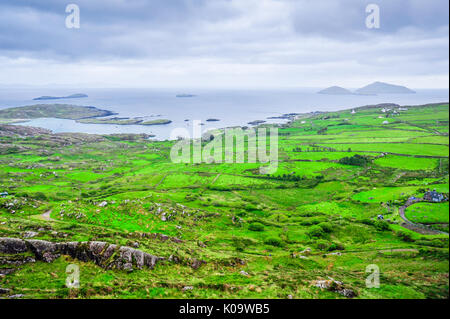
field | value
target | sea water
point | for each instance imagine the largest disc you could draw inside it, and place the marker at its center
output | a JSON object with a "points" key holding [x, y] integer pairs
{"points": [[231, 107]]}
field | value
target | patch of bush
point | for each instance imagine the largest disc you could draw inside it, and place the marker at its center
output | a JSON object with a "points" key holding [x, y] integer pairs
{"points": [[322, 245], [367, 221], [280, 218], [336, 246], [326, 226], [381, 225], [405, 236], [273, 242], [256, 227], [240, 243], [250, 207], [315, 231], [355, 160], [39, 196], [434, 253]]}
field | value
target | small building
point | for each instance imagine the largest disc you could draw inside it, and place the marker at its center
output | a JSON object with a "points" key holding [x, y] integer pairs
{"points": [[353, 112], [386, 122], [380, 217], [433, 196], [4, 194]]}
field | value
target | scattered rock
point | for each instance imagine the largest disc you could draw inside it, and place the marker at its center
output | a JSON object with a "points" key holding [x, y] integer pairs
{"points": [[4, 291], [244, 273], [103, 204], [29, 234], [334, 286], [200, 244], [188, 288], [307, 251], [197, 263], [136, 244]]}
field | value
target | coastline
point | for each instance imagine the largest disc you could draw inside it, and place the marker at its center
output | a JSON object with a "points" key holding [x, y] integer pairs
{"points": [[288, 118]]}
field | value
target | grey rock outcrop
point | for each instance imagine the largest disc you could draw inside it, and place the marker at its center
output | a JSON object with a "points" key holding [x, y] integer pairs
{"points": [[108, 256]]}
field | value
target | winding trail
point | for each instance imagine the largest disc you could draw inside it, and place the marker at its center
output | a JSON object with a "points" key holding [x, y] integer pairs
{"points": [[45, 216]]}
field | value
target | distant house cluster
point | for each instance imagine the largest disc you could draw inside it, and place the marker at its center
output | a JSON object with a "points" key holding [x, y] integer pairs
{"points": [[387, 110], [433, 196]]}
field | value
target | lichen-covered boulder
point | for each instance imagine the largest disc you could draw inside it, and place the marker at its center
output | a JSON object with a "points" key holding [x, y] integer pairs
{"points": [[108, 256]]}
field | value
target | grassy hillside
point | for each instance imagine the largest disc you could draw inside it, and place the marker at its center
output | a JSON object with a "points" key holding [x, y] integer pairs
{"points": [[233, 233]]}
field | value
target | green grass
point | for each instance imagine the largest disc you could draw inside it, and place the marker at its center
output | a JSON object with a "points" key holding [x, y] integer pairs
{"points": [[407, 163], [428, 213], [311, 201]]}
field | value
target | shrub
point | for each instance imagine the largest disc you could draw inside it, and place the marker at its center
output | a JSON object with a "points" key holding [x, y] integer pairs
{"points": [[256, 227], [322, 245], [326, 227], [273, 242], [240, 243], [367, 221], [281, 218], [434, 253], [315, 231], [39, 196], [405, 236], [250, 207], [336, 246], [355, 160], [381, 225]]}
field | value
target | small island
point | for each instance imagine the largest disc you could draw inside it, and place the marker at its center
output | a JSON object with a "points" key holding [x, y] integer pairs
{"points": [[384, 88], [156, 122], [73, 96], [371, 90], [111, 120], [335, 90], [185, 95], [257, 122]]}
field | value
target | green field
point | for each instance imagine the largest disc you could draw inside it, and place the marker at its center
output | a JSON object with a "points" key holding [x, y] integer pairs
{"points": [[428, 213], [225, 230]]}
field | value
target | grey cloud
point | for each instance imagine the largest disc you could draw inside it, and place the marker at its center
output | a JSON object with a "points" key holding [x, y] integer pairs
{"points": [[413, 38], [345, 19]]}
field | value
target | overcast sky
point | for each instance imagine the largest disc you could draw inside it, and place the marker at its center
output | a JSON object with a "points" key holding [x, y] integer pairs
{"points": [[224, 43]]}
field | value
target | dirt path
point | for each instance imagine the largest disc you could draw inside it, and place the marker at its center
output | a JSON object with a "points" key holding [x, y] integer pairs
{"points": [[418, 228], [45, 216], [380, 250], [215, 179], [160, 182]]}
